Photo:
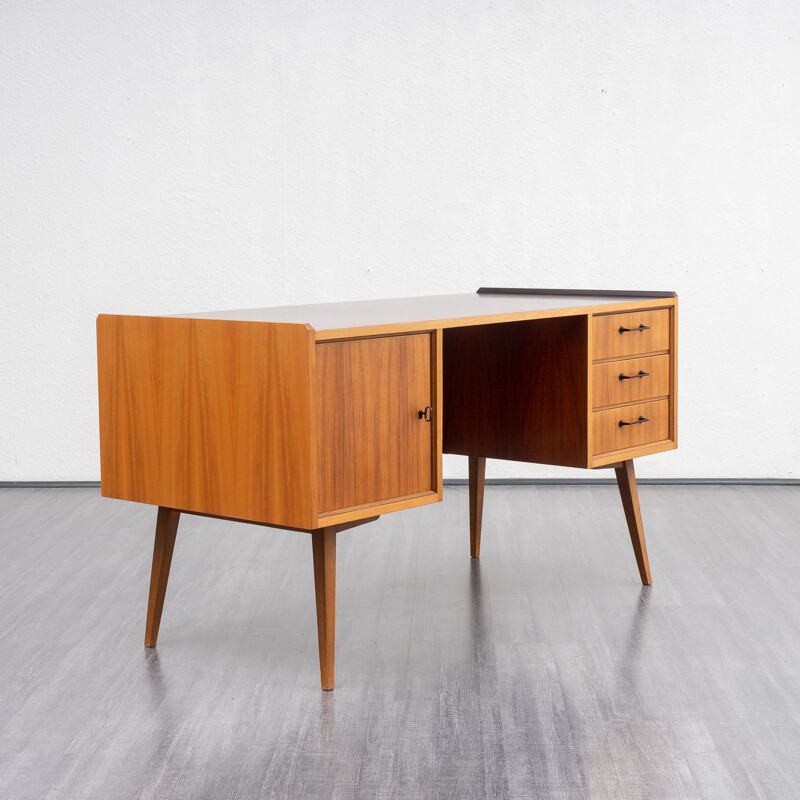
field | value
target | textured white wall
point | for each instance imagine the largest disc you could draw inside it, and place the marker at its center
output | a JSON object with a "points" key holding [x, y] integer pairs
{"points": [[171, 156]]}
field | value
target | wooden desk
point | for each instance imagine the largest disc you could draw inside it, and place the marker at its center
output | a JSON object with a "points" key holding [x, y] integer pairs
{"points": [[322, 417]]}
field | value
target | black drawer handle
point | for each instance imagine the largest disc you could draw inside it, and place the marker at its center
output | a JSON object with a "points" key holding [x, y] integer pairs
{"points": [[639, 421], [641, 328], [624, 377], [427, 414]]}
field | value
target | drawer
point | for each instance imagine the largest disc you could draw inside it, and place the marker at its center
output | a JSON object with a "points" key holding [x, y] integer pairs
{"points": [[651, 425], [617, 335], [630, 380]]}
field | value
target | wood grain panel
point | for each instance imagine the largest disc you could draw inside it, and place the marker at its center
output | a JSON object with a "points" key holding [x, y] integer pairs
{"points": [[609, 389], [609, 342], [360, 512], [609, 436], [208, 416], [518, 391], [372, 444], [638, 451], [673, 389]]}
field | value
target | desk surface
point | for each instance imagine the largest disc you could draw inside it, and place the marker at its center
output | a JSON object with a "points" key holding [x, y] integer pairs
{"points": [[446, 310]]}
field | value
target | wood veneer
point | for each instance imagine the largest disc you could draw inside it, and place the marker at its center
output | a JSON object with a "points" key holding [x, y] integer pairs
{"points": [[373, 446], [208, 416], [611, 342], [610, 436], [609, 389], [518, 391]]}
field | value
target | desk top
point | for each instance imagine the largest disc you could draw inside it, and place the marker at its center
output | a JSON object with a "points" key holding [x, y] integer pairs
{"points": [[487, 305]]}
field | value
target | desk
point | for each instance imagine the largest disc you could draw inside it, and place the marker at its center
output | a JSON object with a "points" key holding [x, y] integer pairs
{"points": [[319, 418]]}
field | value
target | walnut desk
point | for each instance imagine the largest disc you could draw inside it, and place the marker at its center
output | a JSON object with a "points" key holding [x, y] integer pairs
{"points": [[319, 418]]}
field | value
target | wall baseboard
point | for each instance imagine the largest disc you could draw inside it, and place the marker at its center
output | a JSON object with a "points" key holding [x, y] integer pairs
{"points": [[49, 484], [490, 482], [640, 481]]}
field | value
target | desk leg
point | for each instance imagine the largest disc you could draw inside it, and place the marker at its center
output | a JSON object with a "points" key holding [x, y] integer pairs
{"points": [[166, 530], [323, 545], [323, 542], [626, 480], [477, 475]]}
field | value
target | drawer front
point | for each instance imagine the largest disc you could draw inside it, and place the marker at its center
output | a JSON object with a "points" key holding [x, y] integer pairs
{"points": [[373, 445], [630, 380], [618, 335], [610, 436]]}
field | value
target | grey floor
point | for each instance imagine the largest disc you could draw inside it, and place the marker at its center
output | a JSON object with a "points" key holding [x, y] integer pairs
{"points": [[544, 670]]}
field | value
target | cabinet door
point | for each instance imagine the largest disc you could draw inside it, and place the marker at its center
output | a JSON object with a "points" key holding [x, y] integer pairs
{"points": [[373, 445]]}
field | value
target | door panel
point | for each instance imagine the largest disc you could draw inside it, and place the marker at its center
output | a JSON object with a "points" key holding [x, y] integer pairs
{"points": [[372, 444]]}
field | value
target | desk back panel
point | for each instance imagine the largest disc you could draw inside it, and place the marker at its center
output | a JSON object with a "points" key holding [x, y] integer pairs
{"points": [[208, 416], [518, 391]]}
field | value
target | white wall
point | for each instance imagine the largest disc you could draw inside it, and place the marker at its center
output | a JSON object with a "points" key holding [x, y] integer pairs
{"points": [[170, 156]]}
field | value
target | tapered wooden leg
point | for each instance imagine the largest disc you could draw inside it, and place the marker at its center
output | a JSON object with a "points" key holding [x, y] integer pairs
{"points": [[477, 476], [166, 530], [626, 480], [323, 542]]}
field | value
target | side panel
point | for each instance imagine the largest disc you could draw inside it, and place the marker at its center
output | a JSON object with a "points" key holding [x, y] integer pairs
{"points": [[673, 390], [373, 447], [208, 416], [518, 391]]}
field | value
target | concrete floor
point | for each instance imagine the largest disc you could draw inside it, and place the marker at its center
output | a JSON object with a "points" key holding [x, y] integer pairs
{"points": [[544, 670]]}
